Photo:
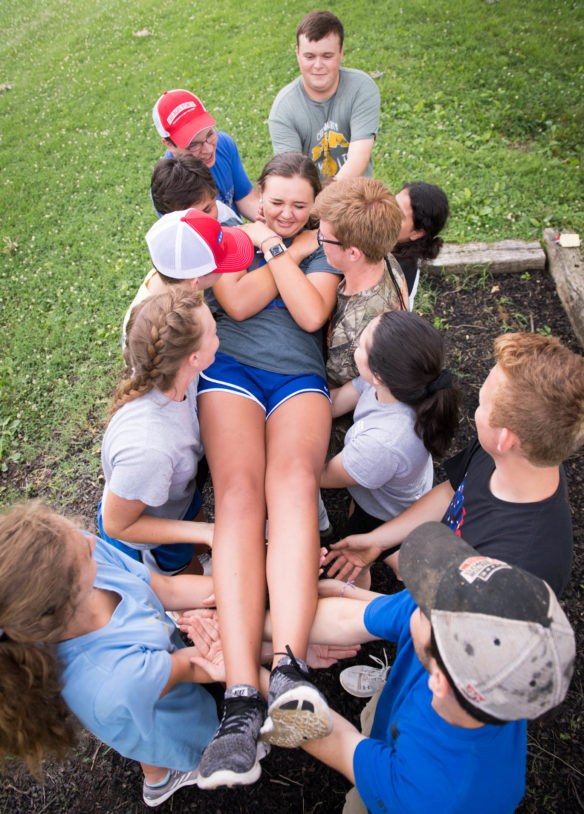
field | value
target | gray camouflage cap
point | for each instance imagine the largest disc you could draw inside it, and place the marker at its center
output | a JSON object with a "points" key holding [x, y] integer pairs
{"points": [[500, 631]]}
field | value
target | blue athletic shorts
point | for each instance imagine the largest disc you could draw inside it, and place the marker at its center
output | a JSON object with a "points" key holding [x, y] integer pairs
{"points": [[170, 558], [267, 389]]}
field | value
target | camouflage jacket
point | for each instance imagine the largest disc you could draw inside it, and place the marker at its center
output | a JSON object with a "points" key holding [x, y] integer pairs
{"points": [[352, 314]]}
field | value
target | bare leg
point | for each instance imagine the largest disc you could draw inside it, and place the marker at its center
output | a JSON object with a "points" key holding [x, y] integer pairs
{"points": [[297, 435], [153, 774], [233, 435]]}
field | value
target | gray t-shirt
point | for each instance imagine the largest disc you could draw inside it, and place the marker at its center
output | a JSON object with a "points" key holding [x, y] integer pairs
{"points": [[150, 452], [385, 456], [271, 339], [324, 130]]}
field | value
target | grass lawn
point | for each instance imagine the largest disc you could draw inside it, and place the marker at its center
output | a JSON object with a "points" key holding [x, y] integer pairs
{"points": [[485, 98]]}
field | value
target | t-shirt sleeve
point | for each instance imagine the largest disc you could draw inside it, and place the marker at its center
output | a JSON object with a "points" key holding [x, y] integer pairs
{"points": [[317, 262], [388, 617], [457, 466], [283, 132], [365, 111], [141, 473], [109, 555], [368, 458], [242, 186]]}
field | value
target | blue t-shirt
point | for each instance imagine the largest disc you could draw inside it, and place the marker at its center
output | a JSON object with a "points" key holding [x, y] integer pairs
{"points": [[228, 171], [414, 760], [113, 677]]}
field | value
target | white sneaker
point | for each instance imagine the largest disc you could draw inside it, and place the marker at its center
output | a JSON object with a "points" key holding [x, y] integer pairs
{"points": [[363, 680]]}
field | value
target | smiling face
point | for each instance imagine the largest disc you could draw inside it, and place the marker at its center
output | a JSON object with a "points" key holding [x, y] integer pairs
{"points": [[319, 62], [287, 203], [203, 145]]}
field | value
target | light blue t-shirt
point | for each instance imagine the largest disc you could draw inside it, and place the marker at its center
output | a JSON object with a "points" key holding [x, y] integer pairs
{"points": [[113, 677], [415, 761]]}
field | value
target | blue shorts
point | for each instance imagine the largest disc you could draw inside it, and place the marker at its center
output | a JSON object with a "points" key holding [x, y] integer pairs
{"points": [[267, 389], [170, 558]]}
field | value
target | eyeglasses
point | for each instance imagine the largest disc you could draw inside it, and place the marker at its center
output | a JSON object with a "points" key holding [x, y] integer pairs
{"points": [[320, 240], [195, 147]]}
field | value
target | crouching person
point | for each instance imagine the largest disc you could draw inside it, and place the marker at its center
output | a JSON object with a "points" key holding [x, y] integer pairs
{"points": [[84, 630], [482, 646]]}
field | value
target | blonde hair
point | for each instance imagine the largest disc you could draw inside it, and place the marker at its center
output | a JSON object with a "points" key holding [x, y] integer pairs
{"points": [[38, 586], [362, 212], [162, 331], [542, 398]]}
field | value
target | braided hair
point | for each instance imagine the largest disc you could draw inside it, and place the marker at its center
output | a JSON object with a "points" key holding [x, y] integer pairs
{"points": [[162, 331]]}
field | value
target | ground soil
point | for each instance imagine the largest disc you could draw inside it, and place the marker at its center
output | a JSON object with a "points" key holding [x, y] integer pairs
{"points": [[96, 779]]}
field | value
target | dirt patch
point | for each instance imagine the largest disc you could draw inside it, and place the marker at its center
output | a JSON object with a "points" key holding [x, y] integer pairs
{"points": [[96, 779]]}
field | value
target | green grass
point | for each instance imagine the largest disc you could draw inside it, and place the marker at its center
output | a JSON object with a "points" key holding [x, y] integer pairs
{"points": [[484, 98]]}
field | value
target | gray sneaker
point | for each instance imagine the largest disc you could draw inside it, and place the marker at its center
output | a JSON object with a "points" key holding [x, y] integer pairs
{"points": [[156, 795], [233, 756], [297, 711]]}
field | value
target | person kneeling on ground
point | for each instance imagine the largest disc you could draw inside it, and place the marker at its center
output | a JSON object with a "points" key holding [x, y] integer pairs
{"points": [[507, 494]]}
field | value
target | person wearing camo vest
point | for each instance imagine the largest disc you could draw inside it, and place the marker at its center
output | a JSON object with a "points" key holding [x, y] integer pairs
{"points": [[360, 221]]}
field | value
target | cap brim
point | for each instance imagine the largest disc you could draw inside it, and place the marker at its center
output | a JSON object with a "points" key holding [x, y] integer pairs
{"points": [[425, 556], [183, 135], [238, 250]]}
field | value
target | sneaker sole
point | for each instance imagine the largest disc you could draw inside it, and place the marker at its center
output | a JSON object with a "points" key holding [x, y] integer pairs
{"points": [[227, 777], [298, 715]]}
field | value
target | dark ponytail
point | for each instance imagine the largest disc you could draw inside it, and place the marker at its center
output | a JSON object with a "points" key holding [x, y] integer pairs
{"points": [[407, 354]]}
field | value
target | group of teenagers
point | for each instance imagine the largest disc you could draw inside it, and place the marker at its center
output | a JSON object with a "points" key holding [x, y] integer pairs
{"points": [[305, 316]]}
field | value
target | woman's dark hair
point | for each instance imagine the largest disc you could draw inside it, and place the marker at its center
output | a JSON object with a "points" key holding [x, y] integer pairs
{"points": [[430, 212], [477, 714], [289, 165], [407, 353]]}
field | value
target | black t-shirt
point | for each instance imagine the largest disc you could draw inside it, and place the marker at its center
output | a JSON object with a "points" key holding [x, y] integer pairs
{"points": [[534, 536]]}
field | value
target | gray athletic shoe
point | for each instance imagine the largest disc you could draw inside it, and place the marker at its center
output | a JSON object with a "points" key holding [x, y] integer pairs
{"points": [[297, 711], [233, 756], [155, 796]]}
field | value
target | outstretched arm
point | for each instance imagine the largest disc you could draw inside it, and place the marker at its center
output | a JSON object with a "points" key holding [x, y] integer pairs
{"points": [[125, 520], [249, 205], [358, 157], [357, 551]]}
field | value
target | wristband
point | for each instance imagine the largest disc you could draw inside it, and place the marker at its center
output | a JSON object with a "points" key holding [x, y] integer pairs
{"points": [[268, 238]]}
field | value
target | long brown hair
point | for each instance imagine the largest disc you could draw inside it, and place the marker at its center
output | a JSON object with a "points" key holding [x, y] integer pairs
{"points": [[162, 331], [38, 584]]}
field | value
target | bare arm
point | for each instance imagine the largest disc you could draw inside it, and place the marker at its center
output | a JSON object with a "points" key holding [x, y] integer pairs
{"points": [[357, 158], [344, 399], [358, 551], [249, 204], [334, 475], [125, 520], [182, 590]]}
